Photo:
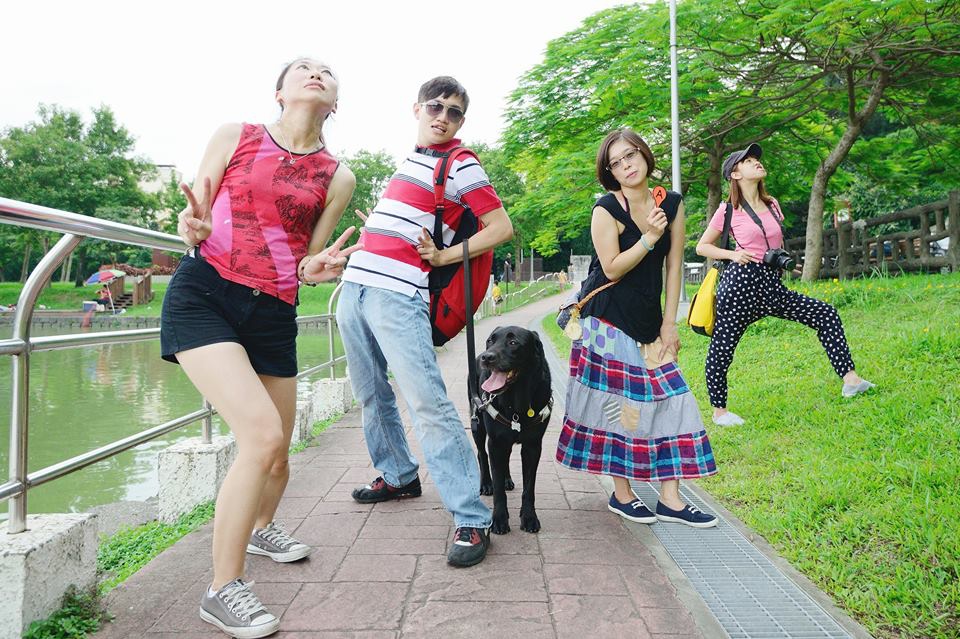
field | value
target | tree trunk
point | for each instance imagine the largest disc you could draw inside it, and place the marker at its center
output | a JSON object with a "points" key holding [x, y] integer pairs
{"points": [[813, 249], [78, 267], [517, 257], [25, 267], [714, 180], [714, 187], [65, 271], [44, 247]]}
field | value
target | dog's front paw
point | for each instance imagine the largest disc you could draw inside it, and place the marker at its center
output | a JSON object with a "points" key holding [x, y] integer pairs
{"points": [[500, 525], [529, 522], [486, 487], [508, 484]]}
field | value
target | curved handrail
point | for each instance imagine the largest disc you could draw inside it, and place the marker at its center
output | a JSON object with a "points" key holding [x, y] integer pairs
{"points": [[76, 228], [46, 219]]}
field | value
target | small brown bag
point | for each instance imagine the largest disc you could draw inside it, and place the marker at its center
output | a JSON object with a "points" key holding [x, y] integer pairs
{"points": [[571, 328]]}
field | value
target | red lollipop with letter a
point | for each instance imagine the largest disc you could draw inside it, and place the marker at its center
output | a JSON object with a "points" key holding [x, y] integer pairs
{"points": [[659, 195]]}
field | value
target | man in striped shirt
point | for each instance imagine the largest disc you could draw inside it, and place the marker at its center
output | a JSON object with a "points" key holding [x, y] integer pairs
{"points": [[384, 319]]}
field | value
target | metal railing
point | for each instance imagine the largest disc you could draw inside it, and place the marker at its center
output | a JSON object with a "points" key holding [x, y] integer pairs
{"points": [[518, 297], [75, 229]]}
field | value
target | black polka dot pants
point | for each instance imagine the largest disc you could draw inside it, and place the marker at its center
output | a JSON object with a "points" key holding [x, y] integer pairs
{"points": [[748, 293]]}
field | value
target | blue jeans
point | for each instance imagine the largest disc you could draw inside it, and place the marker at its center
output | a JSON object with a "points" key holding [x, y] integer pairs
{"points": [[382, 328]]}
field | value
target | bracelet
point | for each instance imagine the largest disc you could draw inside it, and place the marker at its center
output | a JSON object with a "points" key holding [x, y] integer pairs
{"points": [[649, 247], [303, 281]]}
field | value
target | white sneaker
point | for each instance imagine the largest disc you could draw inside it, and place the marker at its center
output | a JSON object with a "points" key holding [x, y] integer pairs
{"points": [[728, 419], [851, 390]]}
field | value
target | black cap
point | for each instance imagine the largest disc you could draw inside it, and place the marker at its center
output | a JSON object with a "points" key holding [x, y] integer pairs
{"points": [[735, 158]]}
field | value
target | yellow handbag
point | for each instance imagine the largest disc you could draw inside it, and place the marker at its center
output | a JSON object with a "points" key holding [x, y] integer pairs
{"points": [[703, 306]]}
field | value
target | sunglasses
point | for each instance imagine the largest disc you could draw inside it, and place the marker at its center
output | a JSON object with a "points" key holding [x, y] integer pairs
{"points": [[454, 114], [629, 156]]}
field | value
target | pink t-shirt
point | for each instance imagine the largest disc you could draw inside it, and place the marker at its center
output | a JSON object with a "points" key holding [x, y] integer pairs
{"points": [[747, 233]]}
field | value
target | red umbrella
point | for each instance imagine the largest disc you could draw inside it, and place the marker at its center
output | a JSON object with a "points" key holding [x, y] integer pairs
{"points": [[105, 276]]}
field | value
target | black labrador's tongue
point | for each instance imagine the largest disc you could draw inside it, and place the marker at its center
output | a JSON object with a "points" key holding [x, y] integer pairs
{"points": [[495, 382]]}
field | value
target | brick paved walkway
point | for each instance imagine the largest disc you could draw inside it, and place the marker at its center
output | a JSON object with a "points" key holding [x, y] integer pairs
{"points": [[380, 571]]}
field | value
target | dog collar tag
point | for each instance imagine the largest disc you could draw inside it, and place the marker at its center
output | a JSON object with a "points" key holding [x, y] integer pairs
{"points": [[515, 423], [530, 412]]}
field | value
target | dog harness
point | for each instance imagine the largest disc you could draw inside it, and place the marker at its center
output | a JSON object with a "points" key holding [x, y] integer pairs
{"points": [[485, 403]]}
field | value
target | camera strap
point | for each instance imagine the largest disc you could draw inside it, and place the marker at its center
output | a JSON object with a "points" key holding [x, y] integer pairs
{"points": [[756, 219]]}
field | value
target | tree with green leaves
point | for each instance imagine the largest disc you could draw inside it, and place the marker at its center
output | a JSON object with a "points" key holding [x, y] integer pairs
{"points": [[62, 162], [755, 71], [170, 202], [612, 72], [373, 171], [510, 188], [862, 54]]}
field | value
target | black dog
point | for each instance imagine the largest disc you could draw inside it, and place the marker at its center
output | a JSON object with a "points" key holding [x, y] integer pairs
{"points": [[514, 407]]}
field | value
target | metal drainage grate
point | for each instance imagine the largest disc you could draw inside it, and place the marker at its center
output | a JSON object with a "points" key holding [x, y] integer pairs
{"points": [[745, 591], [747, 594]]}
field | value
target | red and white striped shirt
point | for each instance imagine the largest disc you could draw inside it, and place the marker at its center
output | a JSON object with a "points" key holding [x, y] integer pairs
{"points": [[389, 258]]}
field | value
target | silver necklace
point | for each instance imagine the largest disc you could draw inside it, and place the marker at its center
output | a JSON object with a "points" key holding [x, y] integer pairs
{"points": [[290, 158]]}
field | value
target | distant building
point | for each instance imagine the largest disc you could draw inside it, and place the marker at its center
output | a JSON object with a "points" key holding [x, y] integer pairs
{"points": [[165, 172]]}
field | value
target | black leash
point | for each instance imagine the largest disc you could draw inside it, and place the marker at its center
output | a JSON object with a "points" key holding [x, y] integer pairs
{"points": [[471, 346]]}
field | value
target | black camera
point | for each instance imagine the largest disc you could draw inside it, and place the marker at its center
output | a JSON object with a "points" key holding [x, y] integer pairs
{"points": [[778, 258]]}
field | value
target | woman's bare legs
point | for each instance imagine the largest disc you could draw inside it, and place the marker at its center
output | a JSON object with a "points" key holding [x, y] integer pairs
{"points": [[623, 491], [670, 494], [223, 374], [283, 392]]}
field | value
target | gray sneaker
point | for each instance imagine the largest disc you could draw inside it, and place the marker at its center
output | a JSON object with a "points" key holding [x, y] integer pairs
{"points": [[852, 390], [274, 542], [235, 610]]}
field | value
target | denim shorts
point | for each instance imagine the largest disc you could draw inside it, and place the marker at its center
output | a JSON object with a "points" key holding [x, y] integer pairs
{"points": [[202, 308]]}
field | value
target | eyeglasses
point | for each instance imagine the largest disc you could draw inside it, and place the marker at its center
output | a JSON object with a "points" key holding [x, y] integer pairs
{"points": [[454, 114], [629, 156]]}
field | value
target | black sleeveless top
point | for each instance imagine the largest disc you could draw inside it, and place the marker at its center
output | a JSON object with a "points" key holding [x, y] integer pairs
{"points": [[633, 303]]}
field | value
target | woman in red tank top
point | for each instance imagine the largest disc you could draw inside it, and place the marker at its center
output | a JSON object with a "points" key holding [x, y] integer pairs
{"points": [[265, 202]]}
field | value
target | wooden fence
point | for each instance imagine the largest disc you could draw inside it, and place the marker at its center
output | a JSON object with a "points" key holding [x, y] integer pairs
{"points": [[858, 247], [142, 289]]}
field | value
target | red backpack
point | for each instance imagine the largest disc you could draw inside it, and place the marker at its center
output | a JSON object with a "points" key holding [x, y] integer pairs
{"points": [[448, 312]]}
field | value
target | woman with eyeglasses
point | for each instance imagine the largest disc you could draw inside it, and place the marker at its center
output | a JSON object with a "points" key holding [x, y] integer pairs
{"points": [[630, 413], [265, 202], [751, 286]]}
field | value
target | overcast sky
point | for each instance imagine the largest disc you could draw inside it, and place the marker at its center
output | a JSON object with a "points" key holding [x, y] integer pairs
{"points": [[173, 71]]}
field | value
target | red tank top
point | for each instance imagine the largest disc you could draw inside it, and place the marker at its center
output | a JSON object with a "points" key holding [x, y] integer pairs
{"points": [[265, 212]]}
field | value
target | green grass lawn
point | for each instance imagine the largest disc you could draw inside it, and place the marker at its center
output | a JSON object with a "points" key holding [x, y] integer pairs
{"points": [[313, 299], [861, 495], [66, 296]]}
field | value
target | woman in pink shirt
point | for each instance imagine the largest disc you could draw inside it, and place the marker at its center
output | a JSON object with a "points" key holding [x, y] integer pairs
{"points": [[751, 287], [268, 197]]}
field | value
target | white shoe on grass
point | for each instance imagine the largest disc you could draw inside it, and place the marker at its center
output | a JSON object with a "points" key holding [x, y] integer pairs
{"points": [[852, 390], [728, 419]]}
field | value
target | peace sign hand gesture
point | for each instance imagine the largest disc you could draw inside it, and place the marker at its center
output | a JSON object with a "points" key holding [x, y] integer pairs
{"points": [[195, 222], [427, 249], [327, 264]]}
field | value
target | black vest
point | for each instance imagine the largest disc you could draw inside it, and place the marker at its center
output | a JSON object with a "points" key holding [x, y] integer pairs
{"points": [[633, 303]]}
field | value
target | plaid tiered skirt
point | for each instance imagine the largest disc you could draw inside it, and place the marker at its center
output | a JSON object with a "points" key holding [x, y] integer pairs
{"points": [[627, 419]]}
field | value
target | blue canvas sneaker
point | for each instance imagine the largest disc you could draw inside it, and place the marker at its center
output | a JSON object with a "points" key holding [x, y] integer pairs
{"points": [[690, 515], [634, 511]]}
